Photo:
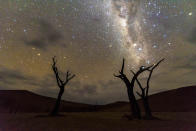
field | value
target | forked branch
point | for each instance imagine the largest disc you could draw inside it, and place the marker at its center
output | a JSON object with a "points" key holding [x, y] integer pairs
{"points": [[121, 72], [60, 82], [150, 75]]}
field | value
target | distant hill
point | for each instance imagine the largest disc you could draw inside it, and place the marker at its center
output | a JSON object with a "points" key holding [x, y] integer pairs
{"points": [[178, 100], [25, 101]]}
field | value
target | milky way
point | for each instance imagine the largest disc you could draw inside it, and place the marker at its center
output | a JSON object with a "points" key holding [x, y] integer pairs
{"points": [[142, 29], [90, 38]]}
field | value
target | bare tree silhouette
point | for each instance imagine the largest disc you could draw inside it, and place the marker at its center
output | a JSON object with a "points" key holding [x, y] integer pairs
{"points": [[61, 84], [144, 91], [136, 112]]}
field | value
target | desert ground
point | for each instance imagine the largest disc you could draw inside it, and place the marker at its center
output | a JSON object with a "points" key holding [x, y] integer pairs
{"points": [[27, 111], [168, 121]]}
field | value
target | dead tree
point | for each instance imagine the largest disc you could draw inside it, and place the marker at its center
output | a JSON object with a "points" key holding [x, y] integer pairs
{"points": [[144, 91], [61, 84], [136, 113]]}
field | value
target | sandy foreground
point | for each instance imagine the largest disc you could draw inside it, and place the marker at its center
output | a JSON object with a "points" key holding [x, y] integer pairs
{"points": [[175, 121]]}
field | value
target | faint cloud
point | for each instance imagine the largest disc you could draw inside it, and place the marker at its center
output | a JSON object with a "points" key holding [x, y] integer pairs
{"points": [[48, 35]]}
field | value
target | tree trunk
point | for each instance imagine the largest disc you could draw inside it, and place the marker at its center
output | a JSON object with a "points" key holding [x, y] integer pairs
{"points": [[148, 113], [137, 108], [136, 113], [57, 105]]}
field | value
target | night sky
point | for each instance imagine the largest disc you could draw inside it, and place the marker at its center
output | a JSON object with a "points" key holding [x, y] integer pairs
{"points": [[90, 38]]}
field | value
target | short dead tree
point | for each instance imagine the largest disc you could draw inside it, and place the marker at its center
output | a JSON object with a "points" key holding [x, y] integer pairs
{"points": [[144, 91], [135, 110], [61, 84]]}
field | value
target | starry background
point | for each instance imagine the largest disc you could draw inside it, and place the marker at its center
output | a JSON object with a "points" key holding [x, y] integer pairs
{"points": [[90, 38]]}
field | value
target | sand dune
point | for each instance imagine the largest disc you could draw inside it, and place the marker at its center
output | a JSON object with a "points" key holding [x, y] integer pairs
{"points": [[178, 100], [12, 101]]}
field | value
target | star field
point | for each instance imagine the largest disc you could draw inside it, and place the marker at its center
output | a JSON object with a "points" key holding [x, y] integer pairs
{"points": [[90, 38]]}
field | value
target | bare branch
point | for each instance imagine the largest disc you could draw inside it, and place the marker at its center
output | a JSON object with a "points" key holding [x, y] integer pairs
{"points": [[139, 94], [71, 77], [119, 76], [150, 75], [138, 82], [67, 74], [143, 68], [156, 65], [55, 70], [140, 85], [121, 72], [54, 60], [60, 82], [123, 65], [133, 72]]}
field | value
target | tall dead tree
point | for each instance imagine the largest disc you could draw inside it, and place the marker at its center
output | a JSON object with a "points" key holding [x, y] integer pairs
{"points": [[144, 91], [61, 84], [136, 113]]}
